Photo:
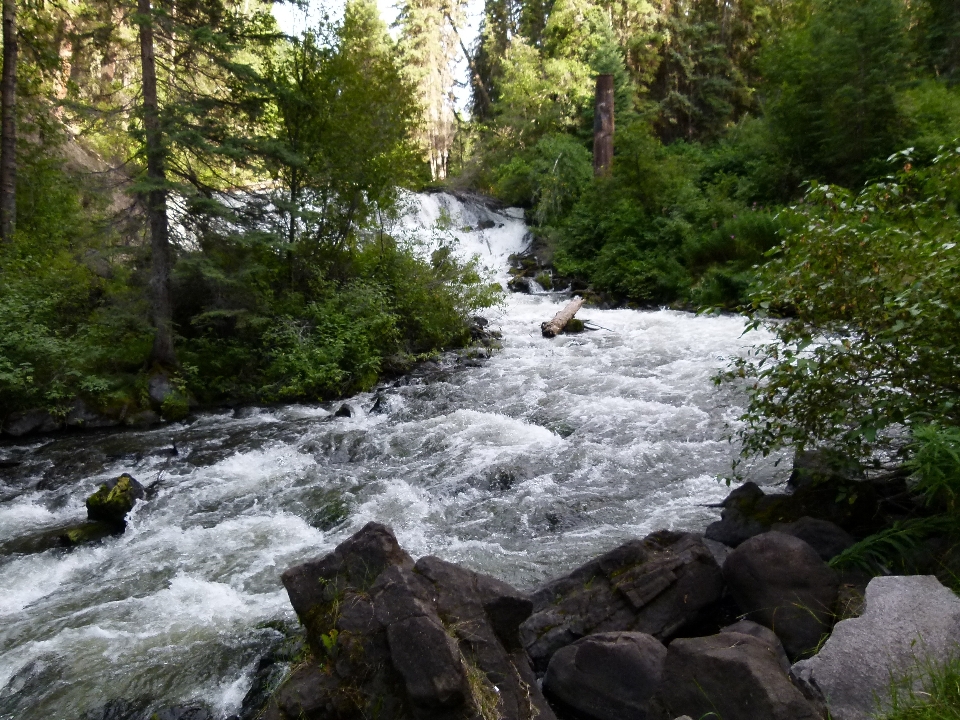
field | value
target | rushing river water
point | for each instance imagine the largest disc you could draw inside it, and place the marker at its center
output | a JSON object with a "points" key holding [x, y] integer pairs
{"points": [[521, 466]]}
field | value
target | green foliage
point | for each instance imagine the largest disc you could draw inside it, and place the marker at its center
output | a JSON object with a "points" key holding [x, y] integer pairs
{"points": [[938, 700], [882, 551], [935, 463], [833, 81], [70, 324], [869, 283]]}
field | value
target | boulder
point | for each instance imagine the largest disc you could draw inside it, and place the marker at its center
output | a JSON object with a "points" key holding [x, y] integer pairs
{"points": [[766, 635], [823, 486], [909, 623], [81, 415], [656, 586], [780, 582], [519, 284], [393, 639], [23, 423], [607, 676], [827, 538], [731, 676], [114, 499]]}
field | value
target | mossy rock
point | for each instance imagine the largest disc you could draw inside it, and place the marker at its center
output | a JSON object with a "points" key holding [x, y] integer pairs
{"points": [[114, 499], [575, 325], [545, 280], [87, 533]]}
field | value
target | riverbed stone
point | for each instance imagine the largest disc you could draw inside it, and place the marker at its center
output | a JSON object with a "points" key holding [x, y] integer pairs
{"points": [[827, 538], [656, 585], [395, 639], [909, 624], [607, 676], [764, 634], [730, 675], [780, 582], [114, 499]]}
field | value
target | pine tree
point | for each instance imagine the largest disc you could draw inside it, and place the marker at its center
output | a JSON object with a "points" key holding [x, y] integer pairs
{"points": [[429, 42]]}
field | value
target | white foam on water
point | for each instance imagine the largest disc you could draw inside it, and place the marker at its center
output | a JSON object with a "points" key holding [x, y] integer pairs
{"points": [[549, 453]]}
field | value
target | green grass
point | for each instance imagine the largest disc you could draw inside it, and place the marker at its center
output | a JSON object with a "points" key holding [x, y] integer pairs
{"points": [[939, 698]]}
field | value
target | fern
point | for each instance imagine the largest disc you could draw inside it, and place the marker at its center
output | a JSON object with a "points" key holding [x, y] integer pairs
{"points": [[880, 550]]}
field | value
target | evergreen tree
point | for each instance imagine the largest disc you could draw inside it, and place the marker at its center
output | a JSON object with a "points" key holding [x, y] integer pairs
{"points": [[429, 42]]}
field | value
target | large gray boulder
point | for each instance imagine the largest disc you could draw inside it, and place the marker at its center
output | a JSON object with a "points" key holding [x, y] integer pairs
{"points": [[396, 639], [607, 676], [780, 582], [909, 622], [731, 676], [656, 586]]}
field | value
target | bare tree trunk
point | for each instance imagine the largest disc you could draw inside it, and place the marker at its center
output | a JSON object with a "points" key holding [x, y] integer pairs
{"points": [[603, 127], [8, 123], [163, 352], [560, 320]]}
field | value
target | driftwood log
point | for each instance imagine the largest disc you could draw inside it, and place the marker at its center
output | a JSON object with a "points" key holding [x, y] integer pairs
{"points": [[560, 320]]}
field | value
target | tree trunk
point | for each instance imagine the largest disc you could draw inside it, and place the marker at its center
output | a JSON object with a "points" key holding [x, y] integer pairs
{"points": [[560, 320], [8, 123], [156, 196], [603, 127]]}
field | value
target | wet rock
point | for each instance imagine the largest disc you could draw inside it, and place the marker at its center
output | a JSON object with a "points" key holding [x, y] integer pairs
{"points": [[344, 411], [781, 583], [909, 623], [823, 465], [82, 415], [573, 326], [732, 676], [765, 635], [519, 284], [23, 423], [827, 538], [656, 585], [144, 418], [607, 676], [87, 533], [160, 387], [853, 505], [396, 639], [183, 713], [114, 499], [737, 522]]}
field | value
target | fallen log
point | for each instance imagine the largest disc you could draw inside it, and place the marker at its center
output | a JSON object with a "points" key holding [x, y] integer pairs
{"points": [[560, 320]]}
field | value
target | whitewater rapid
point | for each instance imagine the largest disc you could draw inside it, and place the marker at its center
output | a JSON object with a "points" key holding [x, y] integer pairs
{"points": [[544, 455]]}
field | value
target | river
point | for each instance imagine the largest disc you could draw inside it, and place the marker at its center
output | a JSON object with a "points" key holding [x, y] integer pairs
{"points": [[521, 466]]}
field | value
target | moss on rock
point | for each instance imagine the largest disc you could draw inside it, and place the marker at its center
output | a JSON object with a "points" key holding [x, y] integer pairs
{"points": [[114, 499]]}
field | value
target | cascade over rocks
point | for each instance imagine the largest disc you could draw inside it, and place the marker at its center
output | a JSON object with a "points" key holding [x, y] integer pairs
{"points": [[656, 586], [607, 676], [781, 583], [909, 623], [394, 638], [731, 675]]}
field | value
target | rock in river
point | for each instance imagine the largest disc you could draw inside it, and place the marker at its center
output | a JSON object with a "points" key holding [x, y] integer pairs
{"points": [[114, 499]]}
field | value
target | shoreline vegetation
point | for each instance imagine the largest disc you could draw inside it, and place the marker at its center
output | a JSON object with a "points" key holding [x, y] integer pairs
{"points": [[193, 211]]}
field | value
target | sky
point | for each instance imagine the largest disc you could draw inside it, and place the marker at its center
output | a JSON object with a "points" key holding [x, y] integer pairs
{"points": [[294, 20]]}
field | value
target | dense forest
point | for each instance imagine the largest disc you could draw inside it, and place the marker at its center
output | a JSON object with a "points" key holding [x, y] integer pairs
{"points": [[188, 194]]}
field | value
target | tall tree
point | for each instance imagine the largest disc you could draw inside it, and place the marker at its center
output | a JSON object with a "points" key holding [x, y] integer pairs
{"points": [[429, 41], [8, 131], [156, 195]]}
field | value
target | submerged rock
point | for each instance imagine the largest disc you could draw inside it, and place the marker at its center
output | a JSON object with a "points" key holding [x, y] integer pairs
{"points": [[607, 676], [114, 499], [731, 676], [910, 624], [781, 583], [392, 638], [656, 585]]}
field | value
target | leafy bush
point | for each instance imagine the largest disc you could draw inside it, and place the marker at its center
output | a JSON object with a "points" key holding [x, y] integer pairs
{"points": [[870, 285]]}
